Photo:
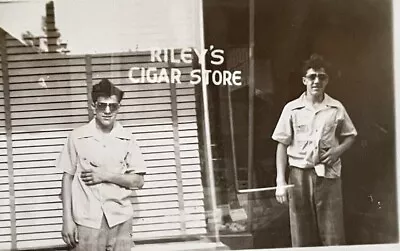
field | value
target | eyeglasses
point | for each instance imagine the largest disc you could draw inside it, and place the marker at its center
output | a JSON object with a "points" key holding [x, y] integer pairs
{"points": [[101, 106], [321, 76]]}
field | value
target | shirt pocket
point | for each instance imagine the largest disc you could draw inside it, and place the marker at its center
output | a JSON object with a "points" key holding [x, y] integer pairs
{"points": [[330, 127], [301, 131], [329, 136], [88, 154], [117, 160], [87, 160]]}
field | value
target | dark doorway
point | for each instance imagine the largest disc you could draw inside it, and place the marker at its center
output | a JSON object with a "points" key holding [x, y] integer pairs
{"points": [[356, 37]]}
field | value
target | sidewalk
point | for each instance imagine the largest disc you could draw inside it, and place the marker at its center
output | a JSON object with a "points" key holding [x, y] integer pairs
{"points": [[197, 245]]}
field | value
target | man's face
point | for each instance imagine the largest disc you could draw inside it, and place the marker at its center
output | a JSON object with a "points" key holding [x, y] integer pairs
{"points": [[316, 81], [106, 109]]}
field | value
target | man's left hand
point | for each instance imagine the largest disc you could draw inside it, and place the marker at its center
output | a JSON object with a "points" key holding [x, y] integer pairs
{"points": [[330, 156], [92, 177]]}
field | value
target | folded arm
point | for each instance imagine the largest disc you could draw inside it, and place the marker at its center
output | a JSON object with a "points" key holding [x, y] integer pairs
{"points": [[128, 180]]}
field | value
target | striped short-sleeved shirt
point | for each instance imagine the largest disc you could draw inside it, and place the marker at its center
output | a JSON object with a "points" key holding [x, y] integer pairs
{"points": [[118, 152]]}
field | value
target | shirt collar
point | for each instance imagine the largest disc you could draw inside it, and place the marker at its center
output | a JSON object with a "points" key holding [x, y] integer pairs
{"points": [[300, 102], [90, 130]]}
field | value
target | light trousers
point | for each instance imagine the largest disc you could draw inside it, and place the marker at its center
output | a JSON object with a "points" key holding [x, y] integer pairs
{"points": [[117, 238]]}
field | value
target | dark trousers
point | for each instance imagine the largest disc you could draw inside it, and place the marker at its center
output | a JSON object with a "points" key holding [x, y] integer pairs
{"points": [[316, 209]]}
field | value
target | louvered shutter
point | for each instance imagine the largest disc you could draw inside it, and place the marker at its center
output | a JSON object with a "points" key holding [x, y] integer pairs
{"points": [[5, 216], [49, 97]]}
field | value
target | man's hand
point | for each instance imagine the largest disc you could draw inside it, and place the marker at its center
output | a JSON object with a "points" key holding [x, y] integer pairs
{"points": [[281, 193], [92, 177], [70, 233], [330, 156]]}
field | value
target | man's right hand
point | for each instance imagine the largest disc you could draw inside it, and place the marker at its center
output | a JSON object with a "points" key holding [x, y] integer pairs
{"points": [[70, 233], [281, 193]]}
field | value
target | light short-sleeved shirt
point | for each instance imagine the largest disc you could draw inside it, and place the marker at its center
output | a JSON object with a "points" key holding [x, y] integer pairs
{"points": [[306, 131], [118, 152]]}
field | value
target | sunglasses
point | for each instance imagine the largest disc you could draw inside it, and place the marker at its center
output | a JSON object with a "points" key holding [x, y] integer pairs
{"points": [[321, 76], [101, 106]]}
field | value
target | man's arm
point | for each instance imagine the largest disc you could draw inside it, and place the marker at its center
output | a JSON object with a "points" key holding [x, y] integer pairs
{"points": [[333, 154], [347, 135], [127, 180], [132, 178], [69, 230], [346, 144], [281, 163], [67, 163]]}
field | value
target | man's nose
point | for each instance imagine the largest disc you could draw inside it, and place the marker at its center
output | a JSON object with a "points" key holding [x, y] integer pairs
{"points": [[107, 110]]}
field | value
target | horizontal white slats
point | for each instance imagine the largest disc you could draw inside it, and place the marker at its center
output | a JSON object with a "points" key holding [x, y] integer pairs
{"points": [[48, 85], [39, 244], [192, 186], [21, 88], [3, 173], [5, 214], [51, 107], [64, 69], [125, 112], [23, 201], [52, 170], [5, 243], [46, 97], [136, 126], [48, 92], [27, 204], [152, 176], [54, 240], [54, 69], [50, 62], [148, 184], [36, 220], [44, 115], [56, 148], [47, 77]]}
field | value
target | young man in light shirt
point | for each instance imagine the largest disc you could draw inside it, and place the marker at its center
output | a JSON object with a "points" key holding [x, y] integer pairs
{"points": [[101, 163], [313, 131]]}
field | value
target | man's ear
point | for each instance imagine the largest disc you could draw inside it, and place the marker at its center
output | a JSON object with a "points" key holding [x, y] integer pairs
{"points": [[304, 81], [93, 107]]}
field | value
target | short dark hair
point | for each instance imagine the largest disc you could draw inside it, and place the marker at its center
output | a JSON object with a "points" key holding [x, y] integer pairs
{"points": [[105, 88], [316, 61]]}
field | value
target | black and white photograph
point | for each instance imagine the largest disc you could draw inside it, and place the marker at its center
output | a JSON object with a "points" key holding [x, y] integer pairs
{"points": [[199, 125]]}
